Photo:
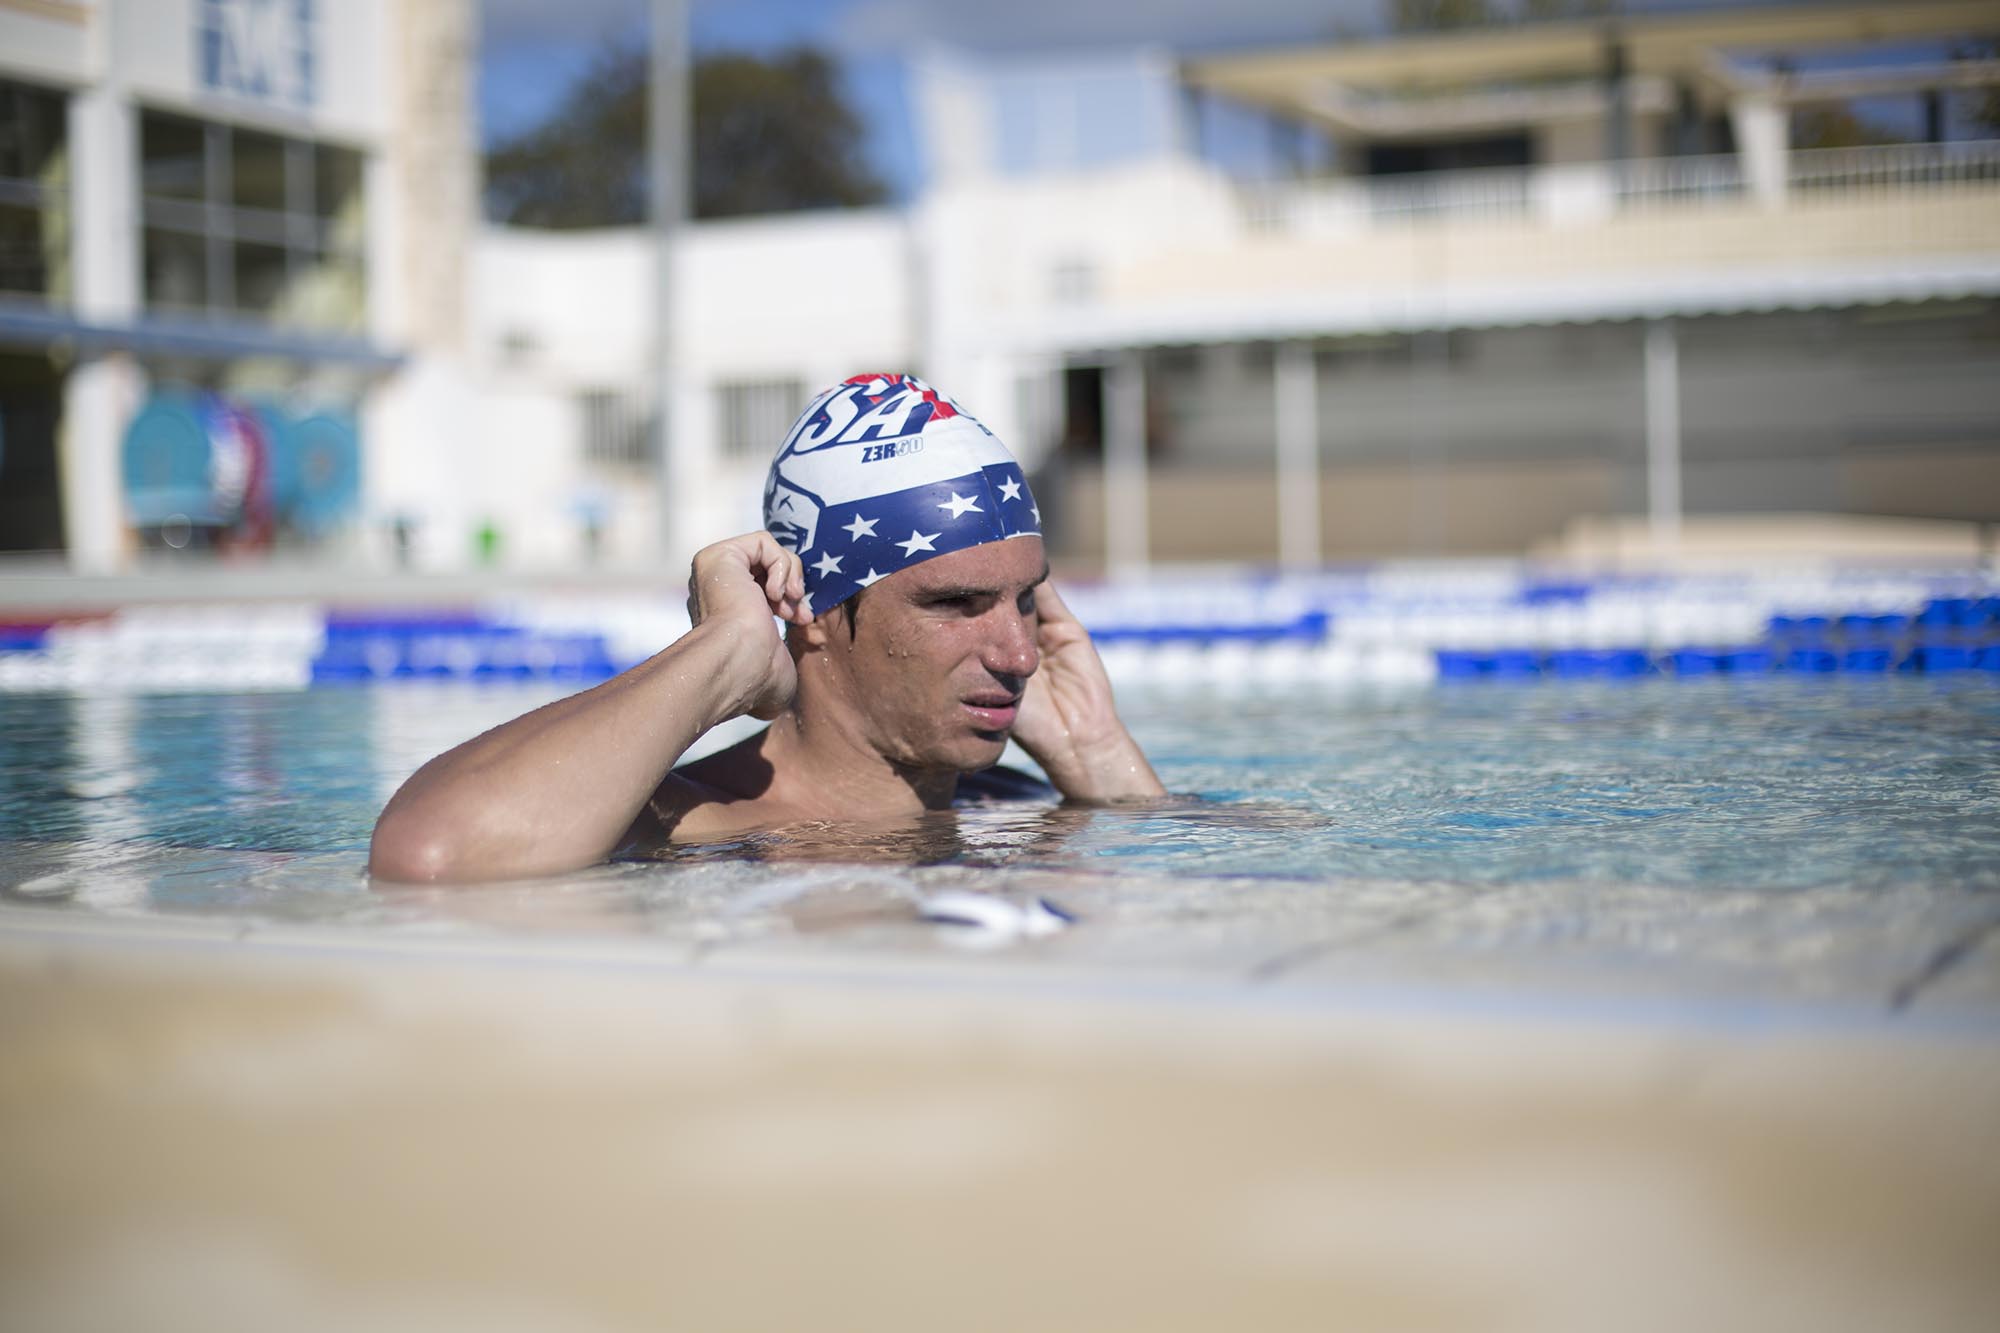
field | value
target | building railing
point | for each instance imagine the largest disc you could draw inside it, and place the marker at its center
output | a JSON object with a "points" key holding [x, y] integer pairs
{"points": [[1896, 166], [1595, 191]]}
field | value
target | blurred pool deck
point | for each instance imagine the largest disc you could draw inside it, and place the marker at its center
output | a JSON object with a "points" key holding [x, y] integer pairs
{"points": [[536, 1122]]}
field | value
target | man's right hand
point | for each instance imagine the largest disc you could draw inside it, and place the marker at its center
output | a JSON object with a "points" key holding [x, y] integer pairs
{"points": [[561, 787], [735, 588]]}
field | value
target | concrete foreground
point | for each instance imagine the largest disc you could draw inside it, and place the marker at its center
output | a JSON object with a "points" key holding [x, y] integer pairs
{"points": [[333, 1130]]}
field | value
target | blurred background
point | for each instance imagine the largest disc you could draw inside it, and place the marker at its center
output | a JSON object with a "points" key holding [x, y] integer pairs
{"points": [[464, 285]]}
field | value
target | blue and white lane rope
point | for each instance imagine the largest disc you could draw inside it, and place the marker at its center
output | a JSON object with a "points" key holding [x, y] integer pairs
{"points": [[1390, 627]]}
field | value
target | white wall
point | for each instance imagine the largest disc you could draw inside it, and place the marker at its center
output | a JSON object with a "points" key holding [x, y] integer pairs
{"points": [[51, 45], [579, 303], [1013, 263], [811, 298], [154, 49], [816, 295]]}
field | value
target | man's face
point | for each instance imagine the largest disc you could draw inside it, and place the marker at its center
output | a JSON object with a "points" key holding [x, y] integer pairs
{"points": [[940, 653]]}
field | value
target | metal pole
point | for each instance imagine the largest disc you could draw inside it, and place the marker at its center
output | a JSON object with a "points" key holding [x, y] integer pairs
{"points": [[1297, 398], [1617, 99], [1663, 433], [1125, 481], [1430, 503], [667, 117]]}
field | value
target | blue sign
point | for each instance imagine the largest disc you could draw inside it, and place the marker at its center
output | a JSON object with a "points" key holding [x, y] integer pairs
{"points": [[260, 49]]}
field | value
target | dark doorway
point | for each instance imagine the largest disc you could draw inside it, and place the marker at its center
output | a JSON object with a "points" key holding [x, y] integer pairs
{"points": [[30, 480], [1083, 412], [1400, 159]]}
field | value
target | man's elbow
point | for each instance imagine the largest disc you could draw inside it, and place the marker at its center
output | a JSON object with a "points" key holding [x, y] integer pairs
{"points": [[411, 854]]}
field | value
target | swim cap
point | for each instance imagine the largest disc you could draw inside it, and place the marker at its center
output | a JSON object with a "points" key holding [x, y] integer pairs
{"points": [[883, 471]]}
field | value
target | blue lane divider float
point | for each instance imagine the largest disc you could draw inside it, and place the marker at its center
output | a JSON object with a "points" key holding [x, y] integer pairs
{"points": [[1392, 625], [1311, 627], [455, 648], [1947, 634], [17, 637]]}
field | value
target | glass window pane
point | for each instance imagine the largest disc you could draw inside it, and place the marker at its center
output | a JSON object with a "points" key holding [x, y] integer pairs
{"points": [[32, 131], [260, 277], [336, 180], [328, 293], [337, 196], [172, 156], [176, 270], [257, 170], [24, 258]]}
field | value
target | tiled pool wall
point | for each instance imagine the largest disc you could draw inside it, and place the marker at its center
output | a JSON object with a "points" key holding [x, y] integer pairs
{"points": [[1383, 625]]}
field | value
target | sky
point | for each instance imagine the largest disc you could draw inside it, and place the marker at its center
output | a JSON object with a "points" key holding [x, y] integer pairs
{"points": [[532, 50]]}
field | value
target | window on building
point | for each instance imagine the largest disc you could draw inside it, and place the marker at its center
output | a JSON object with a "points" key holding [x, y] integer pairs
{"points": [[755, 414], [617, 429], [34, 192], [1073, 281], [239, 222]]}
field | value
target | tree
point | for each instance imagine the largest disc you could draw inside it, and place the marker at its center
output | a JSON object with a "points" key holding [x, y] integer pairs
{"points": [[773, 136], [769, 136], [1982, 107], [1441, 15], [1570, 9], [1838, 127], [1436, 15]]}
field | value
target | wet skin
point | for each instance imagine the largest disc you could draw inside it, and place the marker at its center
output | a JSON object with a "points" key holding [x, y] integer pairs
{"points": [[874, 716], [921, 686]]}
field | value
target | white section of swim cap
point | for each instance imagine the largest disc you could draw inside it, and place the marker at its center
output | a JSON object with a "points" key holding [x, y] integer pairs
{"points": [[838, 474]]}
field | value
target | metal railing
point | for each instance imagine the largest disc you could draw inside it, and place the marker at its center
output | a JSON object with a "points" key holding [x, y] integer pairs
{"points": [[1895, 166], [1596, 191]]}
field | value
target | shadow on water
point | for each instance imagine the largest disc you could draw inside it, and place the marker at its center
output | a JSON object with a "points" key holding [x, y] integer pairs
{"points": [[1037, 833]]}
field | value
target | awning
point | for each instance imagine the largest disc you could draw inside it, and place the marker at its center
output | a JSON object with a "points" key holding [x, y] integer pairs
{"points": [[1721, 291], [214, 340], [1293, 80]]}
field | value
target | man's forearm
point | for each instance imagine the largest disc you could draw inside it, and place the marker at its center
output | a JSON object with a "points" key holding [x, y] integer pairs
{"points": [[557, 789]]}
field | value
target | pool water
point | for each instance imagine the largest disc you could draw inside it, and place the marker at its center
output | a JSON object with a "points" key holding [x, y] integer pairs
{"points": [[1850, 826]]}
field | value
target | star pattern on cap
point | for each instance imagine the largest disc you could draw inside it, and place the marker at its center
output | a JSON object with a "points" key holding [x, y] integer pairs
{"points": [[991, 502]]}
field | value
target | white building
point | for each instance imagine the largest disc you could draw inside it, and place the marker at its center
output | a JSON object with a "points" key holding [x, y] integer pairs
{"points": [[229, 230], [1506, 281]]}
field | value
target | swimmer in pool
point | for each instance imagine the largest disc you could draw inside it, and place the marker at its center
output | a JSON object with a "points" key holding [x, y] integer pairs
{"points": [[903, 551]]}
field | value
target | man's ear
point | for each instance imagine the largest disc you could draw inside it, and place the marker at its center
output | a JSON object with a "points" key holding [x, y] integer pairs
{"points": [[812, 636]]}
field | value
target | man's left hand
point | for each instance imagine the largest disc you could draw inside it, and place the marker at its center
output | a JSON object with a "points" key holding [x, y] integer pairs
{"points": [[1068, 721]]}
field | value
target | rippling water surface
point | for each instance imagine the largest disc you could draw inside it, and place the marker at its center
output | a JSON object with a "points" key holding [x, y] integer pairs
{"points": [[1772, 783], [1769, 785]]}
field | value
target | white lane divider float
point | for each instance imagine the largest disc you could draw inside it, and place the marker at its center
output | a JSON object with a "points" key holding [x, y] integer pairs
{"points": [[987, 921]]}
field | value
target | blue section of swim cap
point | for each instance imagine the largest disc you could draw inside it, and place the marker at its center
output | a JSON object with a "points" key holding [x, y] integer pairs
{"points": [[856, 543], [881, 472]]}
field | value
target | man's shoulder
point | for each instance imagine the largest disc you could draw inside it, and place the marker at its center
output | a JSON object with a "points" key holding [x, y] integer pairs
{"points": [[718, 789]]}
